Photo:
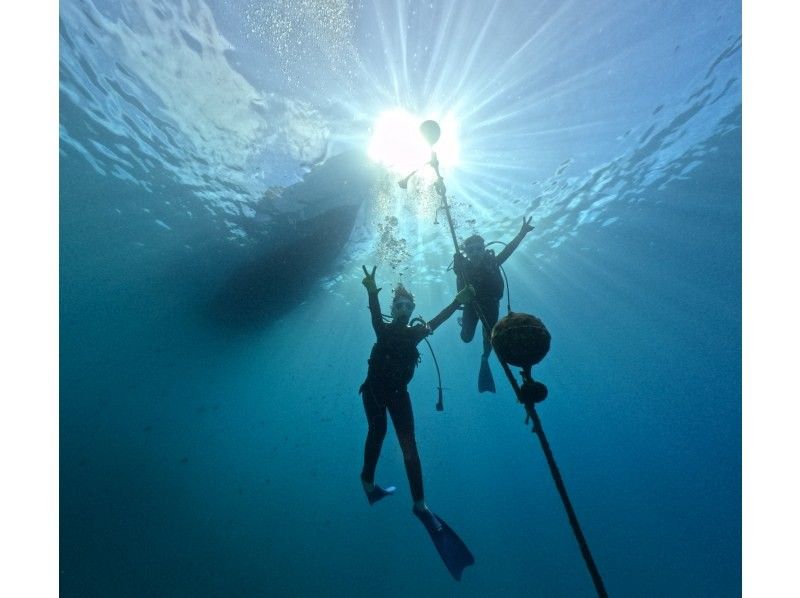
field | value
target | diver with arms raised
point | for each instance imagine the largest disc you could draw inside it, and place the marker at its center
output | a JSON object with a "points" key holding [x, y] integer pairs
{"points": [[481, 269], [392, 362]]}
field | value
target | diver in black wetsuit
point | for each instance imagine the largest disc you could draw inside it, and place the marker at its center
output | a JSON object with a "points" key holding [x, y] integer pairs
{"points": [[392, 363], [481, 269]]}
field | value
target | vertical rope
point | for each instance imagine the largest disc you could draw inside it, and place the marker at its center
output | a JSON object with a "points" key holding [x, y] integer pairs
{"points": [[442, 191], [562, 489], [531, 412]]}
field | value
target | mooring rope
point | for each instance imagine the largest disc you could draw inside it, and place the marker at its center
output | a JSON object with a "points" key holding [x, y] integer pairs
{"points": [[562, 489]]}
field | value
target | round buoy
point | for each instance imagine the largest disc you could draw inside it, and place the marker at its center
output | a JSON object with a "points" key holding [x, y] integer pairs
{"points": [[430, 131], [532, 391], [521, 340]]}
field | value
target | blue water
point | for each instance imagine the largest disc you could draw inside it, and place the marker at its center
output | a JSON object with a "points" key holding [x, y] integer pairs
{"points": [[211, 441]]}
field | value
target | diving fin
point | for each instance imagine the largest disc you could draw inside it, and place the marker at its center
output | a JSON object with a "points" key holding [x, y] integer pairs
{"points": [[378, 493], [451, 548], [485, 379]]}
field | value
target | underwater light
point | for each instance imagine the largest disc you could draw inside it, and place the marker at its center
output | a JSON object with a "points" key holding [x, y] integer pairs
{"points": [[398, 143]]}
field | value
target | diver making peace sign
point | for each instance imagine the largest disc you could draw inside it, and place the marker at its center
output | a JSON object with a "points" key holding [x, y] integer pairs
{"points": [[392, 362]]}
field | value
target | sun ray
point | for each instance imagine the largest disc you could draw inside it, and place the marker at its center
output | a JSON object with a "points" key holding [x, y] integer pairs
{"points": [[466, 68], [443, 32]]}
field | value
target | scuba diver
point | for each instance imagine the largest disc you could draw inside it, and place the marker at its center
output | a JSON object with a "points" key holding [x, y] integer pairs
{"points": [[392, 362], [481, 269]]}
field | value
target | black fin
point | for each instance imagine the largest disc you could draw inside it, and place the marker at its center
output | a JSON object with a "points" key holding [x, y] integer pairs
{"points": [[485, 378], [379, 493]]}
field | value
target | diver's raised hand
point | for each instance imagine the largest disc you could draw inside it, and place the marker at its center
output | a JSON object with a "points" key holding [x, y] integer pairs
{"points": [[369, 280], [465, 295], [526, 226]]}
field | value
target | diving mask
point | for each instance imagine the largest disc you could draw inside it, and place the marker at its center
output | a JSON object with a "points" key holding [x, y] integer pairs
{"points": [[402, 306]]}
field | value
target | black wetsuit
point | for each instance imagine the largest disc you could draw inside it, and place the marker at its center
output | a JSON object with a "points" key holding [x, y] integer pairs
{"points": [[392, 363], [484, 275]]}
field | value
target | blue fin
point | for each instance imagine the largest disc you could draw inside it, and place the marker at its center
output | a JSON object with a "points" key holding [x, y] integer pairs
{"points": [[451, 548]]}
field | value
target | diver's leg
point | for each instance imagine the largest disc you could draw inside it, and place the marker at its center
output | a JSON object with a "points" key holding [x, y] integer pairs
{"points": [[375, 408], [491, 312], [403, 419], [469, 321]]}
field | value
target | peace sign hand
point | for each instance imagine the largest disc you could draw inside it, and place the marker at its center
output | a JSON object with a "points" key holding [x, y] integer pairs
{"points": [[526, 225], [369, 280]]}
